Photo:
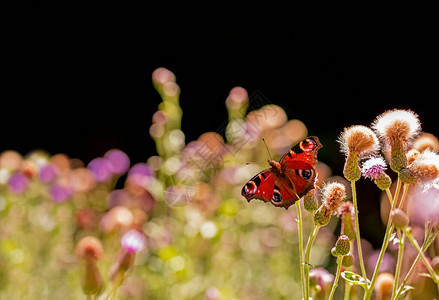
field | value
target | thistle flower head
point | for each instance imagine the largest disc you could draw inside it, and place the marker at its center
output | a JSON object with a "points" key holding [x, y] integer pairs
{"points": [[426, 166], [426, 141], [373, 167], [397, 125], [358, 139], [333, 194], [133, 241]]}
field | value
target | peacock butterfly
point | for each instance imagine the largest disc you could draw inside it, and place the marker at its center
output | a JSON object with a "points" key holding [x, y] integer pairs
{"points": [[288, 180]]}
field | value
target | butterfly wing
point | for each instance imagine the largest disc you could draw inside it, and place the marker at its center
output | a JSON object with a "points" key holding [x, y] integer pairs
{"points": [[269, 187], [299, 163]]}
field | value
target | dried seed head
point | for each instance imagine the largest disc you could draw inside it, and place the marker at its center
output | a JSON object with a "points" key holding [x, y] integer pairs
{"points": [[426, 141], [399, 218], [333, 194], [343, 245], [397, 125], [89, 247], [358, 139]]}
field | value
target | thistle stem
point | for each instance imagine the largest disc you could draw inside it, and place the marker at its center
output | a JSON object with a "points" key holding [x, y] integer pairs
{"points": [[427, 242], [415, 244], [386, 240], [302, 265], [357, 232], [402, 237], [337, 277], [307, 256]]}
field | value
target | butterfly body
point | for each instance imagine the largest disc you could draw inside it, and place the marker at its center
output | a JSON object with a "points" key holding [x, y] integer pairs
{"points": [[288, 180]]}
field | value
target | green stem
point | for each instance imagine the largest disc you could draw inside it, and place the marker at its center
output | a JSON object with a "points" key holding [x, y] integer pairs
{"points": [[337, 277], [427, 242], [347, 290], [387, 236], [415, 244], [307, 256], [357, 233], [404, 195], [399, 260], [302, 265]]}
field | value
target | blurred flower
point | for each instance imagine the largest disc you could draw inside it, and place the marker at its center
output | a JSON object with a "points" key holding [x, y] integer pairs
{"points": [[426, 141], [399, 218], [90, 249], [425, 205], [101, 169], [60, 193], [18, 182], [133, 241], [426, 166], [89, 246], [48, 172], [383, 286], [119, 161], [85, 219], [320, 281], [116, 218], [11, 160]]}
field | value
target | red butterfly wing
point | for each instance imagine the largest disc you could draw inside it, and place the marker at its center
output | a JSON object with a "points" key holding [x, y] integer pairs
{"points": [[261, 186], [302, 156], [268, 187], [299, 163]]}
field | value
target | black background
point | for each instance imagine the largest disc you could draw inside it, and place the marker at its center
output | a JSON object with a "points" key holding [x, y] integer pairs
{"points": [[76, 77]]}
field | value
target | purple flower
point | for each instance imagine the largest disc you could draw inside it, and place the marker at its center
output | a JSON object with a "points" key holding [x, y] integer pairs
{"points": [[133, 241], [18, 182], [373, 167], [142, 169], [48, 172], [101, 169], [60, 193], [120, 162]]}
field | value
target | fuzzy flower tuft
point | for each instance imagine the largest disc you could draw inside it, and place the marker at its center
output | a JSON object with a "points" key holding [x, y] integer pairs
{"points": [[333, 194], [358, 139], [373, 167], [426, 141], [426, 166], [397, 125]]}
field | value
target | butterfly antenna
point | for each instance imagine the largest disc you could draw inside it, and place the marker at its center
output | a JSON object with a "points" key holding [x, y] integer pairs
{"points": [[266, 147]]}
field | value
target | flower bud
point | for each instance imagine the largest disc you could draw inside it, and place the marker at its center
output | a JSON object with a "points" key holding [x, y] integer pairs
{"points": [[399, 218], [343, 245], [322, 216], [90, 249], [334, 252], [407, 176], [310, 202], [383, 182], [348, 260], [351, 170]]}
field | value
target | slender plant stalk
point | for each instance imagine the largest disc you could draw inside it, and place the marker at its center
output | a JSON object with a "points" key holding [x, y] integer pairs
{"points": [[404, 195], [302, 265], [415, 244], [337, 277], [398, 188], [347, 290], [307, 256], [402, 237], [427, 242], [386, 240], [357, 232]]}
